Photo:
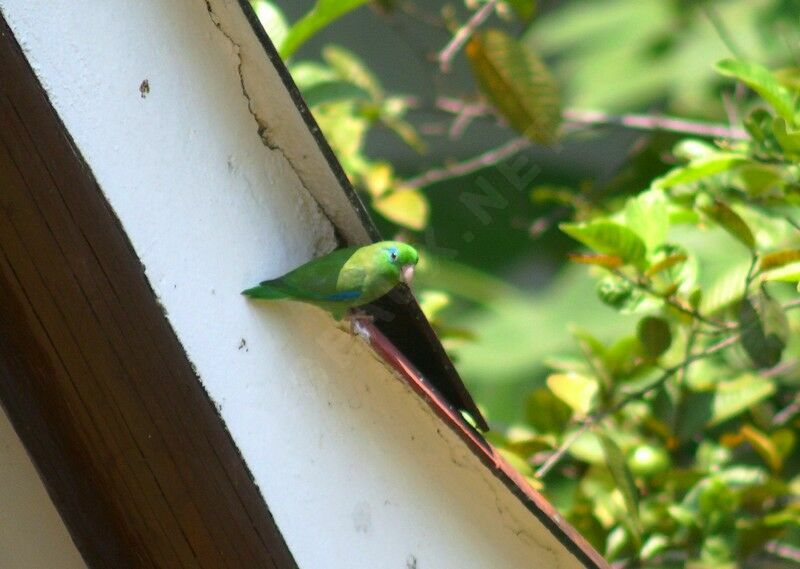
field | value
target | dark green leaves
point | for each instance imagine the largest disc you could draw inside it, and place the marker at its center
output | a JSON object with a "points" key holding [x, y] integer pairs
{"points": [[517, 82], [765, 329], [323, 13], [609, 238], [655, 335]]}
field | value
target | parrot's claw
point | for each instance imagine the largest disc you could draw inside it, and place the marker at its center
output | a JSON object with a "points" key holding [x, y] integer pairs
{"points": [[359, 321]]}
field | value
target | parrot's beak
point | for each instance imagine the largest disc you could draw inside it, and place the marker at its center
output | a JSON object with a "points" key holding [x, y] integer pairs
{"points": [[408, 274]]}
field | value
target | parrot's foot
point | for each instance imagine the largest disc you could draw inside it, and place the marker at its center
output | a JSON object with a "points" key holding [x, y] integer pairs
{"points": [[359, 321]]}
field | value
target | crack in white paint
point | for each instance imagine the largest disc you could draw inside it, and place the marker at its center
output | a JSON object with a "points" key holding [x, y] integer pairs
{"points": [[263, 126]]}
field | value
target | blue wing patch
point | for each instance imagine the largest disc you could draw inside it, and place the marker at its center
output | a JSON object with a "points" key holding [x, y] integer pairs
{"points": [[343, 295]]}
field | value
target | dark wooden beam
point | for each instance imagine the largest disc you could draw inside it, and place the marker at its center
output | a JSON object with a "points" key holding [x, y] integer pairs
{"points": [[131, 449]]}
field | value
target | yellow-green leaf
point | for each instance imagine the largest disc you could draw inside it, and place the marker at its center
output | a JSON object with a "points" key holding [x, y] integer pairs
{"points": [[699, 169], [763, 82], [609, 238], [406, 207], [575, 390], [615, 461], [731, 222], [518, 82], [788, 273], [736, 396]]}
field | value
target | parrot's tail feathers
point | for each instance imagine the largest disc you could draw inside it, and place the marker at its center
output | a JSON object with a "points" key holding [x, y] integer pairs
{"points": [[268, 290]]}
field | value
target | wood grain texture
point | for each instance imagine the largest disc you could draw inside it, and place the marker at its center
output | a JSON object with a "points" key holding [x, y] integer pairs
{"points": [[129, 445]]}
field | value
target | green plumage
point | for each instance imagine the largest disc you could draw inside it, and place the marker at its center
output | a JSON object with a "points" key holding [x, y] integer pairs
{"points": [[343, 279]]}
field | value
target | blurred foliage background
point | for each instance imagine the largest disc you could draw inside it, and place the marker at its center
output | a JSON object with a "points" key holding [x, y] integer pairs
{"points": [[605, 194]]}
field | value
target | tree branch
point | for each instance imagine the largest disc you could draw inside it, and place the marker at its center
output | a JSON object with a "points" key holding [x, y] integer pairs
{"points": [[468, 166], [655, 123], [463, 34]]}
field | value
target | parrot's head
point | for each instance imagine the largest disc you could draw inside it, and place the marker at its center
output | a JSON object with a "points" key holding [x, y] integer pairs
{"points": [[403, 256]]}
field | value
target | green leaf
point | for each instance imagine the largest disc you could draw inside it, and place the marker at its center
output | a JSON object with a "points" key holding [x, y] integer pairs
{"points": [[655, 544], [726, 290], [545, 412], [760, 80], [272, 19], [525, 9], [407, 207], [323, 13], [517, 82], [731, 222], [734, 397], [788, 273], [765, 329], [575, 390], [655, 335], [778, 259], [615, 461], [647, 215], [330, 91], [351, 69], [699, 169], [608, 237], [787, 137]]}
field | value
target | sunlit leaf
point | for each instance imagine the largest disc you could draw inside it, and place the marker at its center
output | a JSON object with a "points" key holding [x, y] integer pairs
{"points": [[609, 238], [787, 137], [765, 329], [406, 207], [323, 13], [272, 19], [654, 545], [350, 68], [734, 397], [763, 82], [655, 335], [726, 290], [615, 461], [518, 83], [788, 273], [575, 390], [647, 215], [700, 168]]}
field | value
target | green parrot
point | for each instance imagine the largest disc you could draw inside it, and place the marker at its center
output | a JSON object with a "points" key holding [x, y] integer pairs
{"points": [[344, 279]]}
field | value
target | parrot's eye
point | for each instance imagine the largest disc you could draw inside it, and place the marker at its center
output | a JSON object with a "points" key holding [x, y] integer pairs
{"points": [[393, 254]]}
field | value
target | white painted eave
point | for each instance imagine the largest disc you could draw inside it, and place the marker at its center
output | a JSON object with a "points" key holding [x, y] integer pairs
{"points": [[219, 182]]}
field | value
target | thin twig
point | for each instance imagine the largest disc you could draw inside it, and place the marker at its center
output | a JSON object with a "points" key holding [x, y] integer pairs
{"points": [[592, 420], [463, 34], [655, 123], [673, 302], [468, 166], [585, 117]]}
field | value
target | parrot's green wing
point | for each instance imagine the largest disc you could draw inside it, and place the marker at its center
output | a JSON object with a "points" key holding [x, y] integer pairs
{"points": [[321, 280]]}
